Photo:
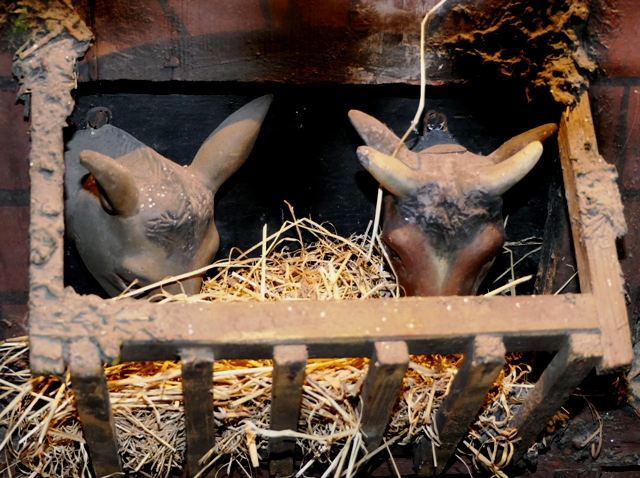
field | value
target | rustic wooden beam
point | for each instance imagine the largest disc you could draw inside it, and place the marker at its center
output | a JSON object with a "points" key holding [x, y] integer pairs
{"points": [[156, 332], [381, 389], [94, 408], [595, 209], [480, 368], [289, 362], [197, 388], [565, 372]]}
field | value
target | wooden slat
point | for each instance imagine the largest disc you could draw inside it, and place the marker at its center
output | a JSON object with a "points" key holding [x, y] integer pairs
{"points": [[94, 408], [289, 362], [480, 368], [565, 372], [381, 388], [596, 211], [197, 387], [155, 332]]}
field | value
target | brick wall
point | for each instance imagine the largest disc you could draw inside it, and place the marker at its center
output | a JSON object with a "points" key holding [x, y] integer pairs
{"points": [[14, 206], [615, 99]]}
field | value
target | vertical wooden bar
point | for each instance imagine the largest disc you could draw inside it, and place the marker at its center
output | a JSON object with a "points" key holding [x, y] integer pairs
{"points": [[94, 409], [565, 372], [289, 362], [482, 363], [596, 215], [197, 389], [381, 388]]}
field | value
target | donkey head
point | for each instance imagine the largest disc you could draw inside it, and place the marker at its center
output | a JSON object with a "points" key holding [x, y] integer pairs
{"points": [[443, 220], [134, 214]]}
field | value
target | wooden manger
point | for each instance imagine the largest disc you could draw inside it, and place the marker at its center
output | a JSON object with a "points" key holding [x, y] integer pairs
{"points": [[83, 332]]}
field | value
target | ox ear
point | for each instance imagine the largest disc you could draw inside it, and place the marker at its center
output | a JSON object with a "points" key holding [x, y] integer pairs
{"points": [[517, 143], [376, 134], [393, 174], [117, 185], [499, 178], [227, 148]]}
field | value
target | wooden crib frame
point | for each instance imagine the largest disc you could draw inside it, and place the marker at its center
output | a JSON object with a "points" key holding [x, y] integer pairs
{"points": [[83, 332]]}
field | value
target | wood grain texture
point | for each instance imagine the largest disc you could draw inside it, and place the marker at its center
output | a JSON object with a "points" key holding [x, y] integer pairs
{"points": [[565, 372], [595, 209], [480, 368], [381, 389], [93, 405], [197, 388], [289, 362]]}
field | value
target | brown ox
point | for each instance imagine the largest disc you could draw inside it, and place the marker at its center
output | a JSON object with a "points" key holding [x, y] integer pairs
{"points": [[443, 220]]}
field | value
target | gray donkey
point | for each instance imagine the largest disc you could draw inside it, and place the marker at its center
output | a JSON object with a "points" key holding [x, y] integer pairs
{"points": [[134, 214]]}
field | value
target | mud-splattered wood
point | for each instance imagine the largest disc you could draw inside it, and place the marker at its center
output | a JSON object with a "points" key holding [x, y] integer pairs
{"points": [[595, 209], [568, 368], [381, 388], [481, 366], [289, 362], [94, 409], [197, 387]]}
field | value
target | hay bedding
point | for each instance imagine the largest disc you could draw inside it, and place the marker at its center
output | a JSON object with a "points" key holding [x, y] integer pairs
{"points": [[44, 437]]}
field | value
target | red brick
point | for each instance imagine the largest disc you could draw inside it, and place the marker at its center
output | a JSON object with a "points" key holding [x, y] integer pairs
{"points": [[123, 24], [324, 13], [6, 64], [630, 144], [14, 143], [201, 17], [618, 22], [14, 249], [631, 243], [14, 318], [605, 105]]}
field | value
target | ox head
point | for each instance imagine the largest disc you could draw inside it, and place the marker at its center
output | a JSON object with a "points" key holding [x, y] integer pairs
{"points": [[443, 220], [134, 214]]}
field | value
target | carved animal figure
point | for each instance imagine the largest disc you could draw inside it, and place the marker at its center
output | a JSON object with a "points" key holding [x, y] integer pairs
{"points": [[134, 214], [443, 219]]}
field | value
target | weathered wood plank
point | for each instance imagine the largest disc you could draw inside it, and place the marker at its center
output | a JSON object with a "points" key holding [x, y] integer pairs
{"points": [[595, 208], [381, 388], [93, 405], [289, 362], [197, 388], [156, 332], [480, 368], [565, 372]]}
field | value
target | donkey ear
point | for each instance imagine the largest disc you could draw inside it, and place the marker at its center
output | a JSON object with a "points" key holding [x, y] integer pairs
{"points": [[227, 148], [117, 185]]}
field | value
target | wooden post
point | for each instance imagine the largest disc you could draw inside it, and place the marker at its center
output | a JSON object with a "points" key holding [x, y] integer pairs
{"points": [[565, 372], [595, 209], [94, 408], [289, 362], [197, 389], [381, 388], [480, 368]]}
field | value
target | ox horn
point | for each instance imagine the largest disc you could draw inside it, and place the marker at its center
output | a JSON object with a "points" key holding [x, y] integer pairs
{"points": [[227, 148], [515, 144], [499, 178], [392, 173], [117, 184], [374, 133]]}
